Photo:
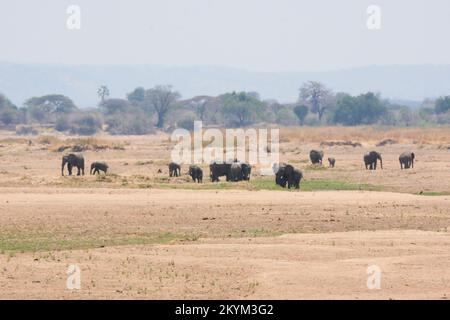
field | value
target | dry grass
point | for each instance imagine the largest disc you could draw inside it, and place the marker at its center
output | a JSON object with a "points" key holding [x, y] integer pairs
{"points": [[367, 134], [50, 140]]}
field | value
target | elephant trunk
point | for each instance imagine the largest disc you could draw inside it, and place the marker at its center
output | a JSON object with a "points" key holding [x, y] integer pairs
{"points": [[62, 166], [381, 163]]}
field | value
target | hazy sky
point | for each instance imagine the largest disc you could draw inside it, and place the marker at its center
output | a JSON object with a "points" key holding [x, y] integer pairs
{"points": [[266, 35]]}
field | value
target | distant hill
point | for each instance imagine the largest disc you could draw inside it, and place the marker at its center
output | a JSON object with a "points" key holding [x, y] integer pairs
{"points": [[401, 83]]}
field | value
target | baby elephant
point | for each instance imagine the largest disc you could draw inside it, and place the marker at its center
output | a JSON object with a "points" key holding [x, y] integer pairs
{"points": [[332, 162], [99, 166], [196, 173]]}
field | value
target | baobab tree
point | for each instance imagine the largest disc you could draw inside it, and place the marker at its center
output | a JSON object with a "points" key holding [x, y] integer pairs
{"points": [[316, 94], [161, 99]]}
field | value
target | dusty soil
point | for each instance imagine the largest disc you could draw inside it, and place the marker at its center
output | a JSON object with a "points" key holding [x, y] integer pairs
{"points": [[137, 234]]}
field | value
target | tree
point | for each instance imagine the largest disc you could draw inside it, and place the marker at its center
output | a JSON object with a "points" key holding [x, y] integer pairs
{"points": [[200, 108], [47, 107], [137, 96], [5, 103], [315, 93], [8, 111], [161, 99], [8, 116], [442, 105], [204, 107], [241, 108], [286, 117], [407, 117], [136, 123], [103, 92], [112, 106], [363, 109], [301, 111], [52, 103]]}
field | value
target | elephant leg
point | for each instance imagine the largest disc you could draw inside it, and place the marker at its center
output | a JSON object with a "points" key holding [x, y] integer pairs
{"points": [[78, 171], [69, 168]]}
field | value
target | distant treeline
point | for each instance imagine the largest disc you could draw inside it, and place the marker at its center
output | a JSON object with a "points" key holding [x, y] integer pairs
{"points": [[161, 107]]}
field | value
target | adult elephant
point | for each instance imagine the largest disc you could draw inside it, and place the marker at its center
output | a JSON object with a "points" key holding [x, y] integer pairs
{"points": [[174, 169], [217, 170], [295, 179], [407, 160], [371, 160], [236, 172], [316, 156], [289, 175], [196, 173], [246, 171], [73, 160], [280, 176]]}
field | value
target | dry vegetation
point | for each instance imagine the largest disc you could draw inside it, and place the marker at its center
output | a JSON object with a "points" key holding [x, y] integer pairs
{"points": [[368, 135], [137, 233]]}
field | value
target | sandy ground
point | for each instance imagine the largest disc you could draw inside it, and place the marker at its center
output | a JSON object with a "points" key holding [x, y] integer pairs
{"points": [[134, 236], [329, 262]]}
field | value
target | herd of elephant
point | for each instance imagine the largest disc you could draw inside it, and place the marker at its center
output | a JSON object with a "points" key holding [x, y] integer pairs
{"points": [[371, 158], [285, 174], [233, 171]]}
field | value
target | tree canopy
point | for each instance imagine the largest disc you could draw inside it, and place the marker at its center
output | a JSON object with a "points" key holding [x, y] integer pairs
{"points": [[241, 108], [442, 105], [363, 109]]}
